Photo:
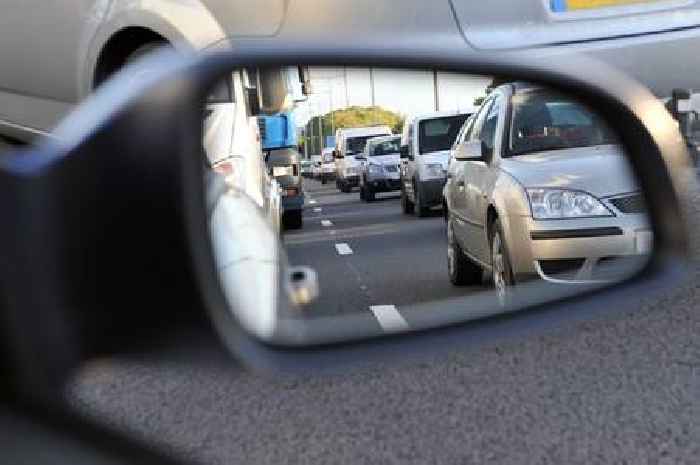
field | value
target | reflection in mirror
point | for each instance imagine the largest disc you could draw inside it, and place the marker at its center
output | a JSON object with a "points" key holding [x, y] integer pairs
{"points": [[372, 201]]}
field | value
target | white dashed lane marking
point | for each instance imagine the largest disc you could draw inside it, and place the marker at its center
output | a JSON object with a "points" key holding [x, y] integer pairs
{"points": [[343, 249], [318, 210], [326, 223], [312, 202], [389, 318]]}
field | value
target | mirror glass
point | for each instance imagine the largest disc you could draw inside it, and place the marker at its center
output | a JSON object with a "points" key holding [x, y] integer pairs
{"points": [[508, 194]]}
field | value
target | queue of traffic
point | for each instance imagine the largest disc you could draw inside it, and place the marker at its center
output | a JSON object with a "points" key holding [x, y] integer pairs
{"points": [[533, 186]]}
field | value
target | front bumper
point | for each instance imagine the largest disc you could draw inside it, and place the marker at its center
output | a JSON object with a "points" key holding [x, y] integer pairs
{"points": [[378, 184], [351, 181], [431, 191], [578, 250]]}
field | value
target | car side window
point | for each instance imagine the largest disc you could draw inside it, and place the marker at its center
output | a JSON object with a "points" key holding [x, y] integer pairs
{"points": [[487, 134]]}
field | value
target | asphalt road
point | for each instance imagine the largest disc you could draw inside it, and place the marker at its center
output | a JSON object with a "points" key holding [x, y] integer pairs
{"points": [[370, 257], [622, 389]]}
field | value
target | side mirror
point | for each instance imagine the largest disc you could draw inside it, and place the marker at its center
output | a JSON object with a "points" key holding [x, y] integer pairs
{"points": [[360, 157], [337, 154], [472, 150], [403, 151]]}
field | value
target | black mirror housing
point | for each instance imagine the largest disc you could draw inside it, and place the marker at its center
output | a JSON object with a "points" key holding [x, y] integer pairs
{"points": [[403, 151]]}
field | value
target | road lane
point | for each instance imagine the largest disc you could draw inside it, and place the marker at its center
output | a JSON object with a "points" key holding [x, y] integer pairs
{"points": [[382, 259]]}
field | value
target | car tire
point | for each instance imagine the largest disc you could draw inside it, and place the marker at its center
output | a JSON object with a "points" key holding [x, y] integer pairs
{"points": [[501, 270], [460, 269], [369, 194], [406, 205], [324, 180], [421, 210], [362, 192], [292, 219]]}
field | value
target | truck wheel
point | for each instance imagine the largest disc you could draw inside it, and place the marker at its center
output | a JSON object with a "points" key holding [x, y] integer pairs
{"points": [[292, 219], [461, 270], [421, 210], [406, 205]]}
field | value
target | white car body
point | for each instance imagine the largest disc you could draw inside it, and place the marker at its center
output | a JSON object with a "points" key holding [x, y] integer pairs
{"points": [[347, 167], [327, 163], [424, 172]]}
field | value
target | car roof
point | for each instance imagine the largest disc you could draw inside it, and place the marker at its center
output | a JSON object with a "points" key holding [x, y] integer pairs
{"points": [[440, 114], [383, 138], [365, 131], [521, 86]]}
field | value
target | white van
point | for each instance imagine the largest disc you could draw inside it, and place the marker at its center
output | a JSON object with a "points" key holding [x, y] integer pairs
{"points": [[350, 142], [425, 147]]}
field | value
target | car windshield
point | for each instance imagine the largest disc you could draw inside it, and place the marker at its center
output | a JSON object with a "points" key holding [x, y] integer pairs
{"points": [[356, 145], [546, 121], [386, 147], [437, 134]]}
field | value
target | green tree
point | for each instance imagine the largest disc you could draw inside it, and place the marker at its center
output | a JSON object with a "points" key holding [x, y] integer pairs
{"points": [[351, 117]]}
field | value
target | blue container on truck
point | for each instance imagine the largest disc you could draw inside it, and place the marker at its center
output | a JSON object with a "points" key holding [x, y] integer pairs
{"points": [[278, 137]]}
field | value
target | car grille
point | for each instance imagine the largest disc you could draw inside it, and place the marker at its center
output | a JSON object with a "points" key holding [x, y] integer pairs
{"points": [[391, 168], [562, 268], [629, 203]]}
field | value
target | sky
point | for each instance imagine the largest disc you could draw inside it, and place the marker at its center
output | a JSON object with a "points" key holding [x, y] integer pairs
{"points": [[402, 91]]}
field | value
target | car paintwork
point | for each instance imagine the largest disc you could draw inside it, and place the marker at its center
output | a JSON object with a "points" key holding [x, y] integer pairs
{"points": [[50, 50]]}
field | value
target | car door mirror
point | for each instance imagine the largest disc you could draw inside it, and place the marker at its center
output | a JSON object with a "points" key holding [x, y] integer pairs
{"points": [[337, 154], [470, 151], [583, 200]]}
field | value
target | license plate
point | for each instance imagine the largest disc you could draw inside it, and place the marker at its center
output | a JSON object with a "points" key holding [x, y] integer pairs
{"points": [[563, 6], [644, 242]]}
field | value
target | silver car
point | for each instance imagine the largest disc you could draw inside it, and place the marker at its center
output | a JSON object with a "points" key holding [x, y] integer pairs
{"points": [[538, 187], [379, 170]]}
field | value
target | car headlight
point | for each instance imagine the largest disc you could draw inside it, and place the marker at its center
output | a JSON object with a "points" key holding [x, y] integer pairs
{"points": [[375, 169], [547, 204], [434, 170]]}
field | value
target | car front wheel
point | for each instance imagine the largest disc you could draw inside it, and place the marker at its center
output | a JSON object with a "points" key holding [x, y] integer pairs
{"points": [[406, 205], [502, 273], [462, 271], [421, 209]]}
